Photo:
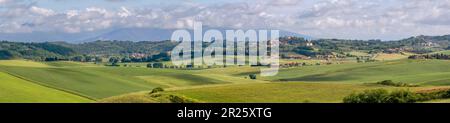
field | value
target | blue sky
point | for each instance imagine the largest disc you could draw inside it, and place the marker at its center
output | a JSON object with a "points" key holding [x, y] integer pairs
{"points": [[350, 19]]}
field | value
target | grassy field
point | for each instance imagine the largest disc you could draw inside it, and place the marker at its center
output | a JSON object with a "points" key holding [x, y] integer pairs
{"points": [[286, 92], [387, 57], [273, 92], [317, 83], [426, 72], [22, 63], [325, 83], [446, 52], [70, 64], [13, 89], [100, 82], [358, 53]]}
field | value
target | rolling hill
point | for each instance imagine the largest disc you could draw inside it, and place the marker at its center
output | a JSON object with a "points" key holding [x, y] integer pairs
{"points": [[316, 83], [96, 82], [15, 90], [324, 83], [428, 72]]}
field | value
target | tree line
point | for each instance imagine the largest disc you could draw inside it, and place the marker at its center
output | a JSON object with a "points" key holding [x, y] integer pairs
{"points": [[431, 56]]}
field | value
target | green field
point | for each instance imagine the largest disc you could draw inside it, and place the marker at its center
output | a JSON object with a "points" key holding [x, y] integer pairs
{"points": [[446, 52], [76, 82], [326, 83], [274, 92], [99, 82], [428, 72], [13, 89], [387, 57]]}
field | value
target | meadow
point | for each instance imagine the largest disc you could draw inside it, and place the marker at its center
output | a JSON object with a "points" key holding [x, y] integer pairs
{"points": [[321, 83], [28, 81], [13, 90]]}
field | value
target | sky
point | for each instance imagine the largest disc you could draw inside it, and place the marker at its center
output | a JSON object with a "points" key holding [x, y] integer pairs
{"points": [[348, 19]]}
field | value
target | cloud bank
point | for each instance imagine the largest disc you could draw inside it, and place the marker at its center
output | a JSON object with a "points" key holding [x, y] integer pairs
{"points": [[353, 19]]}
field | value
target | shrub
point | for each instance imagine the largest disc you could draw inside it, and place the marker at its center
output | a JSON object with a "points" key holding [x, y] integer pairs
{"points": [[156, 90], [180, 99], [386, 82], [403, 96], [158, 65], [252, 76], [368, 96], [434, 95], [446, 93], [399, 96], [391, 83]]}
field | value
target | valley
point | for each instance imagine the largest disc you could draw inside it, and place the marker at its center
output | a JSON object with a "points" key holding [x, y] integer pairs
{"points": [[90, 82]]}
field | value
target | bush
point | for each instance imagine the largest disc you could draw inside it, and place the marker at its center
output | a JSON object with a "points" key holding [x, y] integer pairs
{"points": [[158, 65], [442, 94], [252, 76], [446, 94], [403, 96], [156, 90], [386, 82], [368, 96], [180, 99], [391, 83], [399, 96]]}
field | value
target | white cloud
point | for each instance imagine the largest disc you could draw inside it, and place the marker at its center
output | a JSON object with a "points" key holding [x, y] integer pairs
{"points": [[362, 19], [42, 11], [124, 12], [3, 1]]}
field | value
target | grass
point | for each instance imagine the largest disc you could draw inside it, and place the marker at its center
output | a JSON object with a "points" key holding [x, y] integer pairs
{"points": [[85, 81], [273, 92], [446, 52], [289, 92], [131, 98], [317, 83], [13, 89], [22, 63], [101, 82], [309, 62], [438, 101], [426, 72], [70, 64], [358, 53], [386, 56]]}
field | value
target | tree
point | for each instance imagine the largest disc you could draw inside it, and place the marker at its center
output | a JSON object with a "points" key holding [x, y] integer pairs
{"points": [[5, 55], [126, 59], [114, 61], [252, 76], [149, 65], [158, 65], [49, 59], [78, 58], [159, 57], [98, 59], [303, 50]]}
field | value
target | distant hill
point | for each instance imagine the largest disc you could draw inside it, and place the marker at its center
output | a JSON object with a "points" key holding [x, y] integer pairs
{"points": [[35, 51], [121, 34], [289, 46]]}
